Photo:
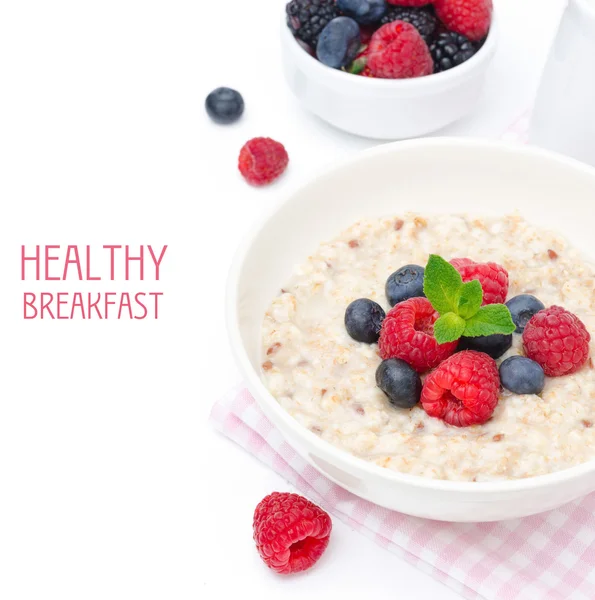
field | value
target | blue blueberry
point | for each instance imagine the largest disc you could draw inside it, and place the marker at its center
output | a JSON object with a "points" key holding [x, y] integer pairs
{"points": [[224, 105], [493, 345], [522, 308], [364, 12], [522, 375], [407, 282], [363, 320], [400, 382], [339, 42]]}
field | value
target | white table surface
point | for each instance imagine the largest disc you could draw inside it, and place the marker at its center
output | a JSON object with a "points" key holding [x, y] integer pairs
{"points": [[113, 485]]}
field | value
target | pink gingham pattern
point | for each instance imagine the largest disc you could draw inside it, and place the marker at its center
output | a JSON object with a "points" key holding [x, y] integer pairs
{"points": [[544, 557]]}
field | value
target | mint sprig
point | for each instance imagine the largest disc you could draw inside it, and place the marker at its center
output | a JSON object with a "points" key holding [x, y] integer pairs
{"points": [[459, 305], [449, 328]]}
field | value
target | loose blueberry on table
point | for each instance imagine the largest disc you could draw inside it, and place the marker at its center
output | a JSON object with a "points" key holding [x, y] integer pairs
{"points": [[390, 39], [224, 105]]}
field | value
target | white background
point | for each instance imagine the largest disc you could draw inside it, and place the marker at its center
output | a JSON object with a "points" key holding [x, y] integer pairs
{"points": [[112, 483]]}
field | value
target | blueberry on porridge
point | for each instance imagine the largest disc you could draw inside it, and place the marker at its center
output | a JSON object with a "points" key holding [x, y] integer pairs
{"points": [[363, 320], [522, 308], [480, 370], [407, 282], [522, 375], [400, 382], [495, 345]]}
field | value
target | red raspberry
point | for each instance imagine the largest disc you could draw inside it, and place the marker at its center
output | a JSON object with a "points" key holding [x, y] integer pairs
{"points": [[463, 390], [471, 18], [408, 2], [493, 278], [262, 160], [290, 532], [397, 51], [557, 340], [408, 333]]}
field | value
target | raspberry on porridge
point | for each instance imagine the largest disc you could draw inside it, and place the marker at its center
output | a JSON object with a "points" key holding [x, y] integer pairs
{"points": [[327, 380]]}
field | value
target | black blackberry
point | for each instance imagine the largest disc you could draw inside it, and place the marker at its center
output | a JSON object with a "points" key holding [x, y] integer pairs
{"points": [[423, 19], [450, 50], [307, 18]]}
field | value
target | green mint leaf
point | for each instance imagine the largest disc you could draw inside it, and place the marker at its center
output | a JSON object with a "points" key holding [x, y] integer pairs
{"points": [[470, 299], [490, 319], [442, 285], [448, 328]]}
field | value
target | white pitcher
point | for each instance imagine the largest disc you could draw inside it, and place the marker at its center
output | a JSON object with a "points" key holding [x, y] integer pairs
{"points": [[564, 114]]}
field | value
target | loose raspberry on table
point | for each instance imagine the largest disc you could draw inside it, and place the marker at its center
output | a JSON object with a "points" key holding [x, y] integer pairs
{"points": [[397, 51], [471, 18], [290, 532], [262, 160], [408, 333], [463, 390], [492, 276], [557, 340]]}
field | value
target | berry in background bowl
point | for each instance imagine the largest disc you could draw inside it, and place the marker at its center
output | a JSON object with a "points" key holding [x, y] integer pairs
{"points": [[388, 70]]}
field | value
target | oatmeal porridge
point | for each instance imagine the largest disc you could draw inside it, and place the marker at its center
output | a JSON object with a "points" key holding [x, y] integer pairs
{"points": [[326, 380]]}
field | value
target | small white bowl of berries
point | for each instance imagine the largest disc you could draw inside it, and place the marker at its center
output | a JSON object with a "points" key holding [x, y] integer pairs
{"points": [[388, 69]]}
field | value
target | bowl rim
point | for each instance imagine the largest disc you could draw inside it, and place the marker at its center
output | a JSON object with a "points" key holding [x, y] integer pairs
{"points": [[342, 457], [460, 72]]}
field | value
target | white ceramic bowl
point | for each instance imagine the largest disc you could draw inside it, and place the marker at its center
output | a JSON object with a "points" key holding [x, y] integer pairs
{"points": [[386, 109], [434, 176]]}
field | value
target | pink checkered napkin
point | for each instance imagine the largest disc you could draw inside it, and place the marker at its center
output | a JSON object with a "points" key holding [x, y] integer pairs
{"points": [[545, 557], [549, 556]]}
